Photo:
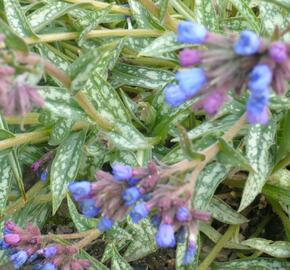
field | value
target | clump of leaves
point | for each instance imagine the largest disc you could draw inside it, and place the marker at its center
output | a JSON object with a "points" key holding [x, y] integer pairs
{"points": [[101, 69]]}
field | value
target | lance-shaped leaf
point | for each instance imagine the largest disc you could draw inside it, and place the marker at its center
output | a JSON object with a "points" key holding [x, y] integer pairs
{"points": [[65, 166], [224, 213], [279, 249], [258, 263], [118, 262], [60, 131], [230, 155], [258, 143], [81, 222], [5, 181], [17, 19]]}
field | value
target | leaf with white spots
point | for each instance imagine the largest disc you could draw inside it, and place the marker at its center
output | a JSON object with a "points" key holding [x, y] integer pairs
{"points": [[60, 131], [254, 264], [17, 19], [95, 264], [5, 181], [245, 10], [207, 182], [259, 140], [65, 166], [118, 262], [144, 77], [279, 249], [224, 213], [81, 222], [163, 9]]}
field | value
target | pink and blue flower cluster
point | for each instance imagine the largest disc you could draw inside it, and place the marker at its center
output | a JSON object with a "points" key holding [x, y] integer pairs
{"points": [[230, 62]]}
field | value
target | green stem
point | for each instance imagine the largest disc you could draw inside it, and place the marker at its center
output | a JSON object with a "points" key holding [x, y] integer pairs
{"points": [[217, 248], [45, 38], [94, 234], [183, 9], [282, 164]]}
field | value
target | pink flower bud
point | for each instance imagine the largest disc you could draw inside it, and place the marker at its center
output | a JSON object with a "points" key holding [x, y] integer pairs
{"points": [[12, 239], [188, 57]]}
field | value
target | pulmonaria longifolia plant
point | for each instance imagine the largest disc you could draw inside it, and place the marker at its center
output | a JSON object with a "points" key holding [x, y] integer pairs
{"points": [[229, 62], [78, 127], [26, 246]]}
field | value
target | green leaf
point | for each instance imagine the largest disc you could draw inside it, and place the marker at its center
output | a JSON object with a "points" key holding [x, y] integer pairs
{"points": [[96, 265], [245, 10], [259, 140], [144, 77], [60, 131], [163, 44], [93, 20], [279, 249], [127, 137], [65, 166], [280, 3], [272, 16], [118, 262], [163, 6], [142, 16], [143, 243], [207, 182], [205, 14], [17, 19], [81, 222], [258, 264], [284, 142], [232, 156], [5, 182], [12, 40], [224, 213]]}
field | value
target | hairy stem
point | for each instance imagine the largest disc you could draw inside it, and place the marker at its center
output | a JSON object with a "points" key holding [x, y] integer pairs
{"points": [[50, 236], [217, 248], [94, 234]]}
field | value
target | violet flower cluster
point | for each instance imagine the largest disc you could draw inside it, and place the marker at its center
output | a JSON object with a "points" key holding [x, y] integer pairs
{"points": [[17, 96], [230, 62], [26, 247], [140, 192]]}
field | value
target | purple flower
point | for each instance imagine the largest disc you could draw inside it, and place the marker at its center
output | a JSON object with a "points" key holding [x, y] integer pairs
{"points": [[189, 254], [260, 78], [191, 80], [189, 32], [278, 52], [156, 221], [80, 190], [12, 239], [19, 259], [165, 236], [133, 181], [188, 57], [3, 245], [89, 209], [247, 44], [174, 96], [49, 251], [213, 102], [105, 224], [49, 266], [122, 172], [182, 214], [139, 212], [33, 257], [131, 195]]}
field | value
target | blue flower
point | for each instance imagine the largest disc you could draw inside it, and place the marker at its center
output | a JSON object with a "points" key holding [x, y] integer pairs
{"points": [[80, 190], [191, 80], [50, 251], [182, 214], [131, 195], [189, 254], [257, 112], [44, 175], [105, 224], [260, 78], [19, 259], [49, 266], [189, 32], [247, 44], [89, 209], [174, 96], [139, 212], [33, 257], [133, 181], [3, 245], [165, 236], [122, 172], [37, 266]]}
